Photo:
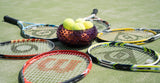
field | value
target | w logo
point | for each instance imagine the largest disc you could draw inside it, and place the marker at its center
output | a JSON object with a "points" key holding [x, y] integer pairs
{"points": [[59, 66]]}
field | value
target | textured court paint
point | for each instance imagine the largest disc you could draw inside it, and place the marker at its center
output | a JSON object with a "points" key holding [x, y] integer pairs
{"points": [[119, 13]]}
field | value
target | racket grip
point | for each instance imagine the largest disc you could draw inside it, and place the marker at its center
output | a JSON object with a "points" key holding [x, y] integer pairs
{"points": [[10, 20], [95, 11]]}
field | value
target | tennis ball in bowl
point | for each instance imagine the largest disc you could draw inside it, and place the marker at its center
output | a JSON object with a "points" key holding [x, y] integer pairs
{"points": [[76, 37], [68, 23], [88, 24], [78, 26], [79, 20]]}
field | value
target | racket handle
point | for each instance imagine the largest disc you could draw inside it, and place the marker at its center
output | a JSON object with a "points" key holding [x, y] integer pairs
{"points": [[10, 20], [156, 30], [95, 11]]}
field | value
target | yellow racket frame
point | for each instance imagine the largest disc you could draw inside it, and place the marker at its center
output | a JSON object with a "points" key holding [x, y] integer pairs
{"points": [[139, 42]]}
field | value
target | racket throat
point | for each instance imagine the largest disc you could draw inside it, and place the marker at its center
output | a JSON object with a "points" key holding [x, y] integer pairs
{"points": [[122, 67]]}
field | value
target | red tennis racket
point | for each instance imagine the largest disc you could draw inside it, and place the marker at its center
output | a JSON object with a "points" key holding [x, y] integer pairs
{"points": [[62, 66]]}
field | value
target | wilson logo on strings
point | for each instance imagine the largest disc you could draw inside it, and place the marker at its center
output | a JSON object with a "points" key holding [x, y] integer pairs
{"points": [[59, 66]]}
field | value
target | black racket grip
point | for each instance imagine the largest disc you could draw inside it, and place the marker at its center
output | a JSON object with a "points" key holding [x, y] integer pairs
{"points": [[10, 20], [95, 11]]}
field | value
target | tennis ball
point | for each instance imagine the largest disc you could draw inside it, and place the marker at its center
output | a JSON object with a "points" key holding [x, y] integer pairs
{"points": [[78, 26], [68, 23], [88, 24], [79, 20]]}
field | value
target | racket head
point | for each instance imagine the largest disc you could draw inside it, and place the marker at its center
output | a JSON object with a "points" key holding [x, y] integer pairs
{"points": [[62, 66], [40, 31], [32, 30], [126, 35], [24, 48], [123, 56]]}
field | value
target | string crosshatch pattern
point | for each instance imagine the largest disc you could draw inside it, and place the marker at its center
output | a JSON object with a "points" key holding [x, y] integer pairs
{"points": [[56, 66], [123, 56], [129, 35], [25, 48]]}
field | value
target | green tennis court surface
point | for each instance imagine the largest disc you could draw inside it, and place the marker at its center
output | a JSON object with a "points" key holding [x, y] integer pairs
{"points": [[119, 13]]}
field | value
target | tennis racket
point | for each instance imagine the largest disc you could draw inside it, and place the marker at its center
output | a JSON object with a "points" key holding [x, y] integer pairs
{"points": [[32, 30], [130, 35], [59, 66], [24, 48], [123, 56], [98, 22]]}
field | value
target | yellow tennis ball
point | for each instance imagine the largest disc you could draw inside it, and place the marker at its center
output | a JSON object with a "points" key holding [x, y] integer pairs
{"points": [[88, 24], [78, 26], [68, 23], [79, 20]]}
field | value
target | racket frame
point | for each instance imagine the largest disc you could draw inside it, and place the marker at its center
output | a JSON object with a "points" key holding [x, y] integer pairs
{"points": [[95, 18], [24, 40], [138, 42], [152, 67], [156, 30], [99, 20], [45, 54], [20, 24]]}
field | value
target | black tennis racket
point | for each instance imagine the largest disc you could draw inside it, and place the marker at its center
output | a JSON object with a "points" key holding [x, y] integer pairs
{"points": [[130, 35], [123, 56], [59, 66], [32, 30], [24, 48]]}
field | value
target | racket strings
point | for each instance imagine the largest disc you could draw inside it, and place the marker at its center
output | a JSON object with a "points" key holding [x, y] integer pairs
{"points": [[56, 76], [150, 53], [41, 31], [100, 25], [26, 48], [123, 55], [62, 77], [126, 35]]}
